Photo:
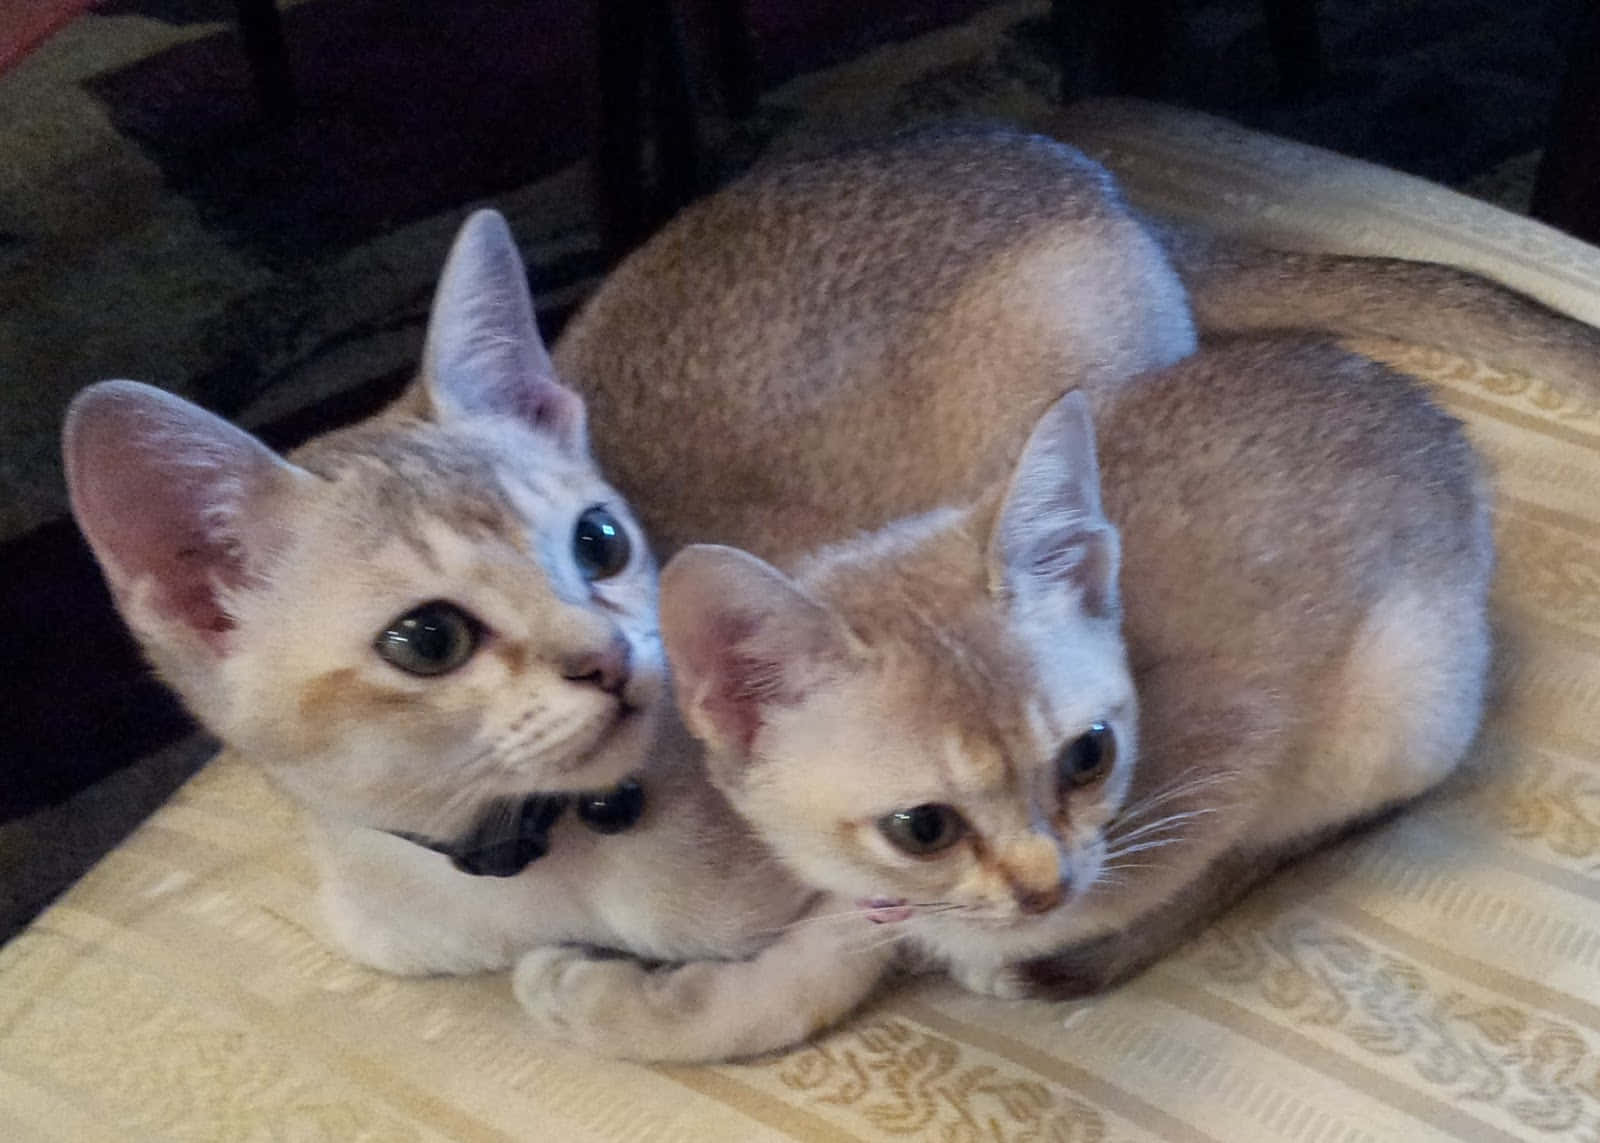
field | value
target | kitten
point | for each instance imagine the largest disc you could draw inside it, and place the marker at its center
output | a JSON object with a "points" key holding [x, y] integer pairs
{"points": [[844, 341], [838, 336], [404, 621], [415, 623], [1038, 739]]}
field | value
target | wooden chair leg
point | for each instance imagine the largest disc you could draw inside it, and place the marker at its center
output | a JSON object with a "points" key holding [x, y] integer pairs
{"points": [[677, 149], [261, 34], [640, 87], [618, 124], [735, 55], [1296, 44], [1115, 47], [1566, 191]]}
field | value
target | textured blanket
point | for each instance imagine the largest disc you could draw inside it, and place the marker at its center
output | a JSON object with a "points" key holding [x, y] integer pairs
{"points": [[1433, 978]]}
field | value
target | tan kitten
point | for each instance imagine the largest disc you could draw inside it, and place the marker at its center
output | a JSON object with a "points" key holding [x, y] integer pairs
{"points": [[1034, 753], [829, 345], [836, 337], [414, 624]]}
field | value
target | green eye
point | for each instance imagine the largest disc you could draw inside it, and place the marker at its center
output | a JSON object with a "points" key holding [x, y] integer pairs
{"points": [[923, 830], [1087, 758], [430, 640], [600, 545]]}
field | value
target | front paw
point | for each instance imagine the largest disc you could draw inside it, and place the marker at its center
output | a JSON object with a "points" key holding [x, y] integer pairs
{"points": [[574, 996], [1002, 981]]}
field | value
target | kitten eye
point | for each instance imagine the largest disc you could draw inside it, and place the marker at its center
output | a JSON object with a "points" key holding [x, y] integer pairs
{"points": [[430, 640], [1088, 757], [923, 830], [600, 545]]}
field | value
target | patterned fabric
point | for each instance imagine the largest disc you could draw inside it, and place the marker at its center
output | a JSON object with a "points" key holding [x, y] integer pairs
{"points": [[1435, 978]]}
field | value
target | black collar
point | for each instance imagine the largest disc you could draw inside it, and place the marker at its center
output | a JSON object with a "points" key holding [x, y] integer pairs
{"points": [[513, 833]]}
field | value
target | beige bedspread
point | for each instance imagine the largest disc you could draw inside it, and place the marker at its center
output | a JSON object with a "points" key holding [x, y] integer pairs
{"points": [[1434, 979]]}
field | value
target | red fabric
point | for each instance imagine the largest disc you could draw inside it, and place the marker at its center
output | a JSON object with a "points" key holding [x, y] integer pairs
{"points": [[25, 23]]}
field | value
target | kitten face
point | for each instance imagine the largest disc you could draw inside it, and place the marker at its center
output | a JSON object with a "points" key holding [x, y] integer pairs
{"points": [[436, 632], [935, 719], [981, 799], [408, 619]]}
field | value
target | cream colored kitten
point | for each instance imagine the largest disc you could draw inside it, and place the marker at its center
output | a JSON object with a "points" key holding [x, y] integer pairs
{"points": [[396, 620], [414, 624], [1034, 753]]}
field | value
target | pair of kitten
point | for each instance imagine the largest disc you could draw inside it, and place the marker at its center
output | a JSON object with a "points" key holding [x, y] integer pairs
{"points": [[1036, 735]]}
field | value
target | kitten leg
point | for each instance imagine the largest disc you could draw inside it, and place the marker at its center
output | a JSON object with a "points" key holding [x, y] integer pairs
{"points": [[1161, 926], [807, 980], [990, 978], [392, 906], [1403, 711]]}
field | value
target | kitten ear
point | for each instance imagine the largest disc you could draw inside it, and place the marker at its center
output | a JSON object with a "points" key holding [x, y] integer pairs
{"points": [[177, 505], [1051, 531], [742, 639], [483, 352]]}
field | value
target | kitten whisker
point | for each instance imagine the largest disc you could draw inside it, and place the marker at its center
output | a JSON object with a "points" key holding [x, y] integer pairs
{"points": [[1160, 823], [824, 918], [924, 909], [881, 939], [1157, 844], [1180, 788]]}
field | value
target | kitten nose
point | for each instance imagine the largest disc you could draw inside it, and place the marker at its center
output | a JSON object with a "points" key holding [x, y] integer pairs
{"points": [[607, 667], [1036, 901]]}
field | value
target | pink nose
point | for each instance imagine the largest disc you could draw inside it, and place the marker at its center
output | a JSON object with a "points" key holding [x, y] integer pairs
{"points": [[606, 667]]}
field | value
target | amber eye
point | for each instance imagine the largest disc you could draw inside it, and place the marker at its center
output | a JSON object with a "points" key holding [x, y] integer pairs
{"points": [[430, 639], [923, 830], [600, 545], [1087, 758]]}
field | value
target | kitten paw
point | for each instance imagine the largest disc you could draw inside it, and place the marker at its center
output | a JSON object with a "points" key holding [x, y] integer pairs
{"points": [[1002, 981], [574, 996]]}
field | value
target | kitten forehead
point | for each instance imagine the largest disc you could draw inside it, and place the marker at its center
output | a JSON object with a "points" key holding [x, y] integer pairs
{"points": [[399, 475], [953, 656], [916, 592]]}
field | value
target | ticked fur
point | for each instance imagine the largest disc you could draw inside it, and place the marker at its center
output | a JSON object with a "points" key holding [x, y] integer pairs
{"points": [[1305, 565], [832, 341], [831, 363], [1296, 641]]}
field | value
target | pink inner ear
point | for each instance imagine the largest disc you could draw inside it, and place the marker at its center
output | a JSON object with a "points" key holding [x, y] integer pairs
{"points": [[556, 409], [150, 526], [742, 639], [740, 680], [159, 489], [188, 587], [737, 681]]}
